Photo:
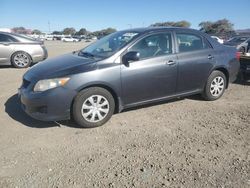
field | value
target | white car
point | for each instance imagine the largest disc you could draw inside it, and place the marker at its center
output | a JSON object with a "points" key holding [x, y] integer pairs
{"points": [[240, 42], [218, 39], [49, 37], [69, 39]]}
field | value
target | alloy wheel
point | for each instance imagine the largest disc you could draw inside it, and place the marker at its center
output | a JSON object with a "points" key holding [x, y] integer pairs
{"points": [[21, 60]]}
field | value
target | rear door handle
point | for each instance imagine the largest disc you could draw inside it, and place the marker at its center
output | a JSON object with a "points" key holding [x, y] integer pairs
{"points": [[171, 62], [210, 57]]}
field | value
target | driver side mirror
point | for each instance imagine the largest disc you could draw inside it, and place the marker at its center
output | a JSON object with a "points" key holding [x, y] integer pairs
{"points": [[130, 57]]}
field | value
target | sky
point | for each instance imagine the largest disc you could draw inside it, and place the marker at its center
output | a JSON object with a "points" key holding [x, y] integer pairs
{"points": [[94, 15]]}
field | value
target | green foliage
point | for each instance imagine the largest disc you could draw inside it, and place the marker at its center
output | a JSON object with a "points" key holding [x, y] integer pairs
{"points": [[220, 27], [103, 32], [82, 31], [69, 31], [56, 32], [36, 32], [182, 23]]}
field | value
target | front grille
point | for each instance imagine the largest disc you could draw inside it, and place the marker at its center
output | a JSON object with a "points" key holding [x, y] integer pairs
{"points": [[26, 83]]}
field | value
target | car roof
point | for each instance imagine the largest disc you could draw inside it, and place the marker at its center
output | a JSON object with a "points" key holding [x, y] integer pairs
{"points": [[2, 32], [20, 38], [155, 29]]}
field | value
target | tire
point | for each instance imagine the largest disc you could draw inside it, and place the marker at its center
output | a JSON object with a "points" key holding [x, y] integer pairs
{"points": [[88, 112], [215, 86], [21, 60]]}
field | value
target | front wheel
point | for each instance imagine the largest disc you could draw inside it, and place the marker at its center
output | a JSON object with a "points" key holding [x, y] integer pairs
{"points": [[93, 107], [215, 86]]}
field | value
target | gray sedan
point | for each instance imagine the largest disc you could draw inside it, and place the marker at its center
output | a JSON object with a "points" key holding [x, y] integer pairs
{"points": [[126, 69], [20, 51]]}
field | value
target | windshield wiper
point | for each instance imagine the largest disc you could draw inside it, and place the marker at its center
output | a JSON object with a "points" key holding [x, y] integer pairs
{"points": [[86, 54]]}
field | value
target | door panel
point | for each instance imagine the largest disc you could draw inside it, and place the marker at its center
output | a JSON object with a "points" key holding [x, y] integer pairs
{"points": [[148, 79], [196, 58], [194, 69], [6, 47], [5, 52]]}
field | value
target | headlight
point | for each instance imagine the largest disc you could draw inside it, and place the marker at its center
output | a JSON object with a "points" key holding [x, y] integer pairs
{"points": [[44, 85]]}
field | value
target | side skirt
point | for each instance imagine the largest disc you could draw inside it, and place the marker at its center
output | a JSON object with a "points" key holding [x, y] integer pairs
{"points": [[121, 108]]}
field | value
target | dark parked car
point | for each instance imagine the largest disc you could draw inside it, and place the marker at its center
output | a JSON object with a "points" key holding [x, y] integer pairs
{"points": [[245, 67], [57, 38], [240, 42], [126, 69]]}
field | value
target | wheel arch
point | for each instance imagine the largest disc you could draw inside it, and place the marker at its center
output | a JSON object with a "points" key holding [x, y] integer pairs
{"points": [[224, 71], [116, 97]]}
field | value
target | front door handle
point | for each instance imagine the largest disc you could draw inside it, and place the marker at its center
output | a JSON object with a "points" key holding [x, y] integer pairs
{"points": [[210, 57], [171, 62]]}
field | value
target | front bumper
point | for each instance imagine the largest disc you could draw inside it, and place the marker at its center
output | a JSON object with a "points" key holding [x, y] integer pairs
{"points": [[51, 105]]}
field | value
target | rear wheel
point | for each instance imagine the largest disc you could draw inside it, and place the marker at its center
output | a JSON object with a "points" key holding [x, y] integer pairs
{"points": [[215, 86], [93, 107], [21, 60]]}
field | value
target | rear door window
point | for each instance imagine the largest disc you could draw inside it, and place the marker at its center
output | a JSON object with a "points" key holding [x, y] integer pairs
{"points": [[191, 42], [7, 38]]}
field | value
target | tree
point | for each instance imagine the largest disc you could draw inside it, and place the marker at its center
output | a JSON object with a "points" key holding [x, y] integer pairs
{"points": [[182, 23], [221, 27], [82, 31], [36, 32], [109, 31], [69, 31], [20, 30], [56, 32], [103, 32]]}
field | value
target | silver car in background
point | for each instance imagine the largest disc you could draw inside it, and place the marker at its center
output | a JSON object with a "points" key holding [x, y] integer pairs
{"points": [[20, 51], [240, 42]]}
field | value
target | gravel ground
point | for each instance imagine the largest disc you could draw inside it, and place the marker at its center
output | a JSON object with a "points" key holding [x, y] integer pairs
{"points": [[180, 143]]}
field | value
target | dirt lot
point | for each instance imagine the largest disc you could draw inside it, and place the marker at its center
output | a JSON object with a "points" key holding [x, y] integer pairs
{"points": [[182, 143]]}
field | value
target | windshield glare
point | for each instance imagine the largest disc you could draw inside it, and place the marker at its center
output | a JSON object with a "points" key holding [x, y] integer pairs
{"points": [[110, 44]]}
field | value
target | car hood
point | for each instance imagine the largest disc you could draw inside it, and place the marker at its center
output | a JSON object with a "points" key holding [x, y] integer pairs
{"points": [[61, 66]]}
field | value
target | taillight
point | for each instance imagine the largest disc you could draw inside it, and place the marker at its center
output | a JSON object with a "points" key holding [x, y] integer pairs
{"points": [[238, 56]]}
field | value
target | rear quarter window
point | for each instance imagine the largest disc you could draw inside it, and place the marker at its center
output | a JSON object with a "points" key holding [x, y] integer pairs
{"points": [[7, 38]]}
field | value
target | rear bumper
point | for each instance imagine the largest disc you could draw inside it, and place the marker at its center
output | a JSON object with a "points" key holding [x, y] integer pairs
{"points": [[233, 72], [51, 105], [40, 57]]}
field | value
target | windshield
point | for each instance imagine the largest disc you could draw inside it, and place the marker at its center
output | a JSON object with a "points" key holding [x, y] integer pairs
{"points": [[110, 44]]}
